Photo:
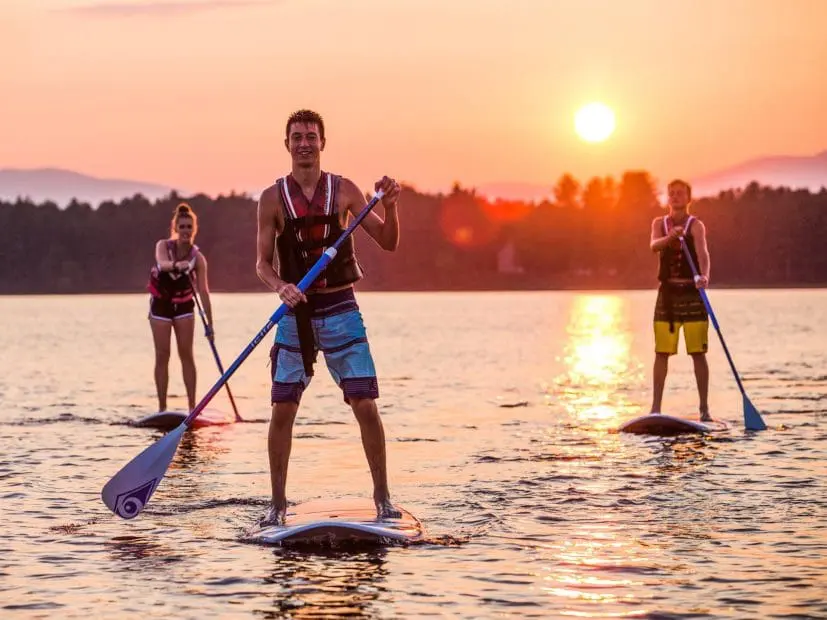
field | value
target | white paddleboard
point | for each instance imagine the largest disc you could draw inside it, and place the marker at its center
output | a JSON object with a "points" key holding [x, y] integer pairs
{"points": [[167, 420], [331, 522], [663, 424]]}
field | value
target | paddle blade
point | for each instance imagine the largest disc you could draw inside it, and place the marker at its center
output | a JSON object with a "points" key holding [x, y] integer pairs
{"points": [[129, 490], [752, 419]]}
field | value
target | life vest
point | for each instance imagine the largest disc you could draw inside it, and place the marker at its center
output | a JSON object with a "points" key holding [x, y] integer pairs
{"points": [[310, 227], [172, 285], [673, 263]]}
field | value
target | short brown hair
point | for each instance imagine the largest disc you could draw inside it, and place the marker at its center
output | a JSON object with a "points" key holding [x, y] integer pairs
{"points": [[307, 117], [679, 182]]}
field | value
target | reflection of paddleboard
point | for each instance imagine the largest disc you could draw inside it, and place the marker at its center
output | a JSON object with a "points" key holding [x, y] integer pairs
{"points": [[662, 424], [330, 522], [167, 420]]}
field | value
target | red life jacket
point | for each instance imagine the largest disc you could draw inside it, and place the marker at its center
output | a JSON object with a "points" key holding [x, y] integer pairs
{"points": [[171, 285], [311, 226]]}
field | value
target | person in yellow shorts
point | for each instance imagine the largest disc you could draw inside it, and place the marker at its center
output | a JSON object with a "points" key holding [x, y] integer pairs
{"points": [[679, 304]]}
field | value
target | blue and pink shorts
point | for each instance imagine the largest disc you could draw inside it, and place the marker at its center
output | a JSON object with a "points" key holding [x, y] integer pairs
{"points": [[339, 333]]}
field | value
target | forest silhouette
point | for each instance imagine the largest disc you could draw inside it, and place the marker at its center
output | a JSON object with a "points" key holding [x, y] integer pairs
{"points": [[591, 236]]}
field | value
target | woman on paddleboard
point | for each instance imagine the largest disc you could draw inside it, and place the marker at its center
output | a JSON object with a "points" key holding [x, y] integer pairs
{"points": [[180, 271]]}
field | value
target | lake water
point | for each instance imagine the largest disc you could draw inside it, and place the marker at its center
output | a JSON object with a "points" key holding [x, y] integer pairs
{"points": [[499, 411]]}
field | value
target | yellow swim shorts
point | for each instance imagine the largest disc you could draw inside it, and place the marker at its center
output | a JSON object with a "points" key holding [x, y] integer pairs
{"points": [[680, 307], [695, 336]]}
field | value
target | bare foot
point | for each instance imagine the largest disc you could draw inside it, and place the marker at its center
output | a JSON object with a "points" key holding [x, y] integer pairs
{"points": [[386, 510], [274, 516], [705, 417]]}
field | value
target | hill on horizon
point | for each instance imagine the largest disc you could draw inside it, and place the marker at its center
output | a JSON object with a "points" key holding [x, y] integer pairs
{"points": [[795, 172], [61, 186]]}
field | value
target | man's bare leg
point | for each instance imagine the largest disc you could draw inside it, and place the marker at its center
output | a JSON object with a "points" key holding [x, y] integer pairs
{"points": [[373, 441], [702, 379], [659, 371], [279, 444]]}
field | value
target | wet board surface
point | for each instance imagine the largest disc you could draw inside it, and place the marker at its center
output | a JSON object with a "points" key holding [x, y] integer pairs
{"points": [[336, 521], [666, 425], [167, 420]]}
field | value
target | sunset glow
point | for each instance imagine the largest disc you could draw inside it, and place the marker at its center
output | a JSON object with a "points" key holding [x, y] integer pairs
{"points": [[194, 93]]}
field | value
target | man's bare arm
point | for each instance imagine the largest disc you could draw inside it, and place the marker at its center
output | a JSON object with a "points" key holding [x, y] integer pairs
{"points": [[267, 229], [701, 249], [657, 240], [384, 231], [271, 224]]}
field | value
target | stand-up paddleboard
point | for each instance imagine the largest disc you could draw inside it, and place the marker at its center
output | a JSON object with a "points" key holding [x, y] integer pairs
{"points": [[662, 424], [339, 521], [167, 420]]}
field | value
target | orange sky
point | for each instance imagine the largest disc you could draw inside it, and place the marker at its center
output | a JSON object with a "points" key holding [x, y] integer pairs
{"points": [[194, 93]]}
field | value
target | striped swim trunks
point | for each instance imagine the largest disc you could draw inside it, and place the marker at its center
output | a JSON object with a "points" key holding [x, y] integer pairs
{"points": [[339, 333]]}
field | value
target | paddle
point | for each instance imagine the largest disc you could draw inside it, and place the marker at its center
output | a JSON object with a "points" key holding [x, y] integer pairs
{"points": [[208, 333], [128, 492], [752, 419]]}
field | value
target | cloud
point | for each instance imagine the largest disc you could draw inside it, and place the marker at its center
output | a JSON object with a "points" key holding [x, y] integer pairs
{"points": [[161, 7]]}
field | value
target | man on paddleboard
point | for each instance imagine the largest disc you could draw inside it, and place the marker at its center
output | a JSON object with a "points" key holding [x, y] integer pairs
{"points": [[299, 216], [679, 303]]}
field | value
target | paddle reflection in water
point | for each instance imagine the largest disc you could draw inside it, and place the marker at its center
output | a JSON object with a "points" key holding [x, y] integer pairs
{"points": [[199, 450], [194, 477], [145, 552], [328, 583]]}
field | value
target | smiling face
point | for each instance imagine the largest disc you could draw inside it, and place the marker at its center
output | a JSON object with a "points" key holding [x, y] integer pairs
{"points": [[305, 143], [185, 228]]}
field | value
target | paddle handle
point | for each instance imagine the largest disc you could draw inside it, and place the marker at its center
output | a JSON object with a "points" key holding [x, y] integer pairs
{"points": [[303, 285]]}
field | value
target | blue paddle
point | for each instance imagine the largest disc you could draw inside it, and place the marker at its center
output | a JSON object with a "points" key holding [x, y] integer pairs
{"points": [[752, 419], [128, 492], [208, 333]]}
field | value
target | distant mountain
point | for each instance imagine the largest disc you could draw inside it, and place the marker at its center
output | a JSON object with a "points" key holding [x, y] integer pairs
{"points": [[61, 186], [808, 172], [805, 172]]}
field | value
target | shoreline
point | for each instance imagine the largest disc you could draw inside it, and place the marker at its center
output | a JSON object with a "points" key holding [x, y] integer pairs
{"points": [[492, 289]]}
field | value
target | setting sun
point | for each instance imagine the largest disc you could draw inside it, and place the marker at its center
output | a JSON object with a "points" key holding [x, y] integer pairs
{"points": [[594, 122]]}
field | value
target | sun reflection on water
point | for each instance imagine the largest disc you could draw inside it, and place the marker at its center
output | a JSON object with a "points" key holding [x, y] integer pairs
{"points": [[599, 364], [595, 570]]}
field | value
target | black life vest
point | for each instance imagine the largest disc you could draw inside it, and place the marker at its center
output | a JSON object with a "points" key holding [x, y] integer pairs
{"points": [[673, 263], [310, 227]]}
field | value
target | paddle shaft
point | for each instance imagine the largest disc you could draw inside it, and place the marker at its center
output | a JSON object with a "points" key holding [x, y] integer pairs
{"points": [[711, 314], [303, 285], [208, 330]]}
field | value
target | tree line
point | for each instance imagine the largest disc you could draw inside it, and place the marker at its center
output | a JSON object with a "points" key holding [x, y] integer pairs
{"points": [[591, 235]]}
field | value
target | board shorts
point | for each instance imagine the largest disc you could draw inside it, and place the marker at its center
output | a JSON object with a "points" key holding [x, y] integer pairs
{"points": [[339, 333], [680, 306], [167, 310]]}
